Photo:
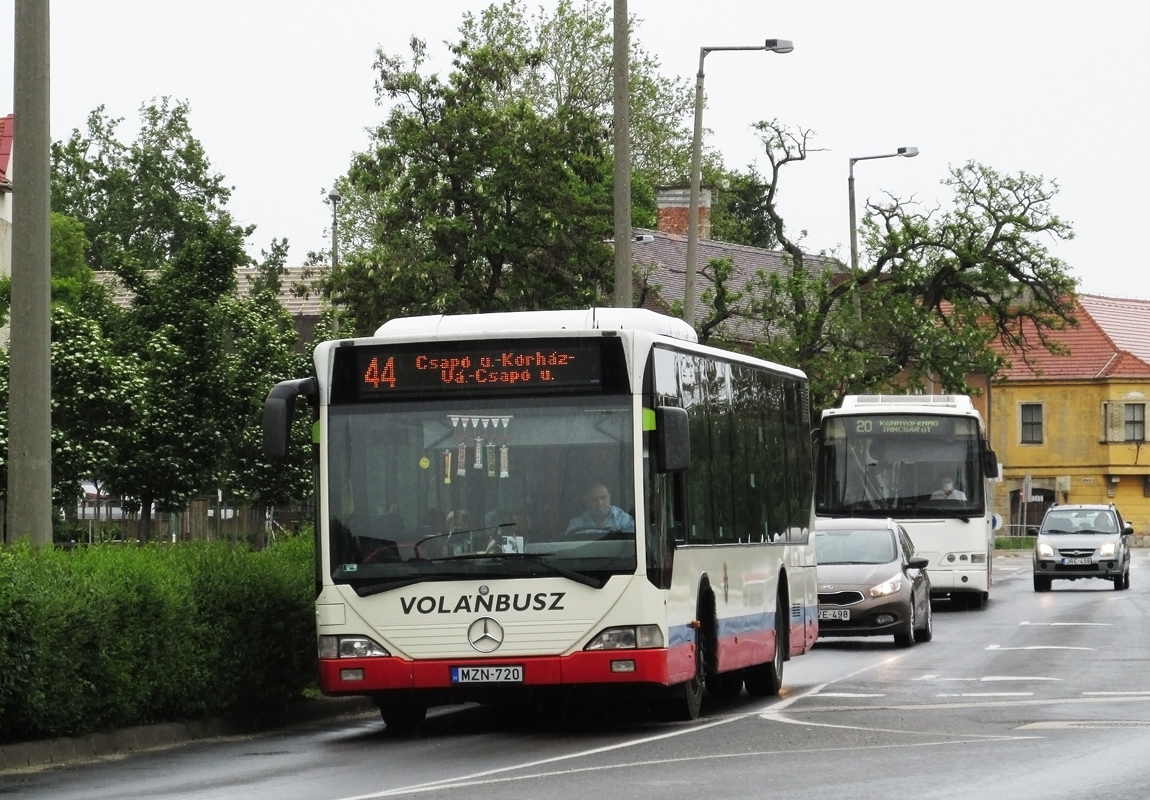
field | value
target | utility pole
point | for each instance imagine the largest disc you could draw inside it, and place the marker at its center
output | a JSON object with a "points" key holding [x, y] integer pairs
{"points": [[622, 125], [30, 376]]}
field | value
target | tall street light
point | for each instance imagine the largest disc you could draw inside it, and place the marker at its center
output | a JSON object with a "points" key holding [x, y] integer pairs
{"points": [[334, 196], [903, 152], [770, 46]]}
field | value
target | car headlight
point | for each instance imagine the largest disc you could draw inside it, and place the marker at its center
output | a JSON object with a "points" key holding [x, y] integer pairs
{"points": [[1045, 550], [630, 637], [887, 587], [1107, 550], [349, 647]]}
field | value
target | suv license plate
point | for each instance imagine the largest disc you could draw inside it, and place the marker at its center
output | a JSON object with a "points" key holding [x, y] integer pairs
{"points": [[1072, 562], [501, 674], [835, 613]]}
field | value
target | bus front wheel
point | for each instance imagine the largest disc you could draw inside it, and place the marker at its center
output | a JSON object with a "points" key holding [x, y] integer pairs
{"points": [[401, 713]]}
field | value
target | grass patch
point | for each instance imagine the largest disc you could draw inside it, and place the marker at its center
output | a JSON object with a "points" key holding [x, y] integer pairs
{"points": [[1014, 543]]}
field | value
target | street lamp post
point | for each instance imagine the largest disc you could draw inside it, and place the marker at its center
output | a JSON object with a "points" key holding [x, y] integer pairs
{"points": [[334, 196], [903, 152], [770, 46]]}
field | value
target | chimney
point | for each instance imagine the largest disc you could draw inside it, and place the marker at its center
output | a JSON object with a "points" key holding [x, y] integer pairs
{"points": [[674, 207]]}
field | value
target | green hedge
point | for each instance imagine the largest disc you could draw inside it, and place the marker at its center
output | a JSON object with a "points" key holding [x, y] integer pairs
{"points": [[110, 636]]}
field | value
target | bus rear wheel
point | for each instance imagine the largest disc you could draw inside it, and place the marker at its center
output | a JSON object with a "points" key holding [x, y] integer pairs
{"points": [[765, 680]]}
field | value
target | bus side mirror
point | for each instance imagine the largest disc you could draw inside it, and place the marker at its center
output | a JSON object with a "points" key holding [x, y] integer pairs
{"points": [[279, 410], [672, 439], [989, 464]]}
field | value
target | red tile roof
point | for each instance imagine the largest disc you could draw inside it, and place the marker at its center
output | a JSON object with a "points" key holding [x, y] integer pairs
{"points": [[7, 129], [1112, 340]]}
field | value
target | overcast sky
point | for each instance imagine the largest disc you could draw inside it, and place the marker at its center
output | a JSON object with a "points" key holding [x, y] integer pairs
{"points": [[281, 93]]}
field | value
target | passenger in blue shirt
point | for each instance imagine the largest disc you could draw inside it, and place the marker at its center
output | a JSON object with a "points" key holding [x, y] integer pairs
{"points": [[600, 514]]}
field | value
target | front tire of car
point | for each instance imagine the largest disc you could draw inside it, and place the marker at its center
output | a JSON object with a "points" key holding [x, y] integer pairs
{"points": [[926, 632], [1041, 583], [905, 638]]}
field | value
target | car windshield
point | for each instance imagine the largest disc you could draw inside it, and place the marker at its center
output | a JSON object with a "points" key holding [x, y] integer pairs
{"points": [[1080, 521], [859, 546], [456, 490]]}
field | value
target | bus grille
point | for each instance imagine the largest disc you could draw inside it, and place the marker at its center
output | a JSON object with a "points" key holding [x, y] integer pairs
{"points": [[449, 640], [840, 598]]}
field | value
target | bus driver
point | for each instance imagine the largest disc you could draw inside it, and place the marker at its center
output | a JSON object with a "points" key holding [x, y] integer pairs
{"points": [[600, 513]]}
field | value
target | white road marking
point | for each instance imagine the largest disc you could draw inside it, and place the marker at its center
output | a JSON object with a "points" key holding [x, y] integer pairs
{"points": [[1038, 647], [846, 694], [1071, 624], [989, 694], [1017, 678], [1116, 694]]}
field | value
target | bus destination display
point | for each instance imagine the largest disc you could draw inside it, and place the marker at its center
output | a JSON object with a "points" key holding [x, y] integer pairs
{"points": [[400, 369]]}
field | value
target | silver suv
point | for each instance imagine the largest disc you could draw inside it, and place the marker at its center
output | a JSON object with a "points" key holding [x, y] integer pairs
{"points": [[1082, 541]]}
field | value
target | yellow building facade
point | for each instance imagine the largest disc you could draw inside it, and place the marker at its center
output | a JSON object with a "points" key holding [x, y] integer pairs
{"points": [[1072, 428]]}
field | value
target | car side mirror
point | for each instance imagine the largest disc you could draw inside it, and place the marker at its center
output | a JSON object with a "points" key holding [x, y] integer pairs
{"points": [[1127, 529], [918, 562], [672, 439], [1032, 531]]}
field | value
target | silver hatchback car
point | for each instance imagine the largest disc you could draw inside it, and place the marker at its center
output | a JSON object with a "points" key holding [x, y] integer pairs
{"points": [[1082, 541]]}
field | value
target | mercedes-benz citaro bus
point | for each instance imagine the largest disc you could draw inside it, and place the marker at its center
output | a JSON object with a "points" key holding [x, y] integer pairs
{"points": [[924, 461], [540, 501]]}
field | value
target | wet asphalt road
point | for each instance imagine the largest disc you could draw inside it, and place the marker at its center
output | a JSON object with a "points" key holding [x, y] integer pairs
{"points": [[1036, 696]]}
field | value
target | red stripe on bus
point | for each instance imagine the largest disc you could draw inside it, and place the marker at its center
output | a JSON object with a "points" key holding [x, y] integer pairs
{"points": [[380, 674]]}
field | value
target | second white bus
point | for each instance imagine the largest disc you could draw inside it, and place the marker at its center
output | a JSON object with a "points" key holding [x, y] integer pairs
{"points": [[924, 461]]}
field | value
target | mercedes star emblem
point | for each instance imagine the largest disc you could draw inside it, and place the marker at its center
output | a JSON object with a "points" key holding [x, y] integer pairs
{"points": [[485, 635]]}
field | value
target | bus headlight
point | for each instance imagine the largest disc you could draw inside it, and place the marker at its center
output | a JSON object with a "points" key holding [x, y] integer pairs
{"points": [[349, 647], [1045, 550], [888, 587], [978, 558], [630, 637], [1107, 550]]}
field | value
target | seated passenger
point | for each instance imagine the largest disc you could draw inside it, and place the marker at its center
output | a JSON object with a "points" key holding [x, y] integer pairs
{"points": [[600, 514]]}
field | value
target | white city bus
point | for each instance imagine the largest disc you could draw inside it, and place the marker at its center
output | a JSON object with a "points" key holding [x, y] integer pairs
{"points": [[924, 461], [456, 558]]}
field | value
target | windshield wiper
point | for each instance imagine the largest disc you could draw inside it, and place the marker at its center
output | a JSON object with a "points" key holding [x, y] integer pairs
{"points": [[464, 533], [569, 574]]}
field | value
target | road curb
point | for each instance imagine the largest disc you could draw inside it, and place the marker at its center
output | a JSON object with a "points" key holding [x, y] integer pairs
{"points": [[57, 752]]}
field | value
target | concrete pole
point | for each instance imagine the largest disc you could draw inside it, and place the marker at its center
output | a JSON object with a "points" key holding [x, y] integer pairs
{"points": [[30, 377], [622, 129], [693, 209]]}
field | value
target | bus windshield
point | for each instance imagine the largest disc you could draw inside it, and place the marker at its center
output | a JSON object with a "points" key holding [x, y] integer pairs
{"points": [[472, 489], [921, 465]]}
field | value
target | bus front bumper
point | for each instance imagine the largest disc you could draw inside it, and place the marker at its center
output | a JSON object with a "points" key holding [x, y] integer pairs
{"points": [[351, 676], [958, 580]]}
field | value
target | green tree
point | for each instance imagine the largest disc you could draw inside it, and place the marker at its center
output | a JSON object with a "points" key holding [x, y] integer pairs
{"points": [[480, 202], [155, 214], [263, 351], [739, 208], [574, 69], [140, 202], [940, 286]]}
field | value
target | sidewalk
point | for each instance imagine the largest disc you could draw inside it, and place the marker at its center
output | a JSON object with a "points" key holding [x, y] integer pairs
{"points": [[56, 752]]}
